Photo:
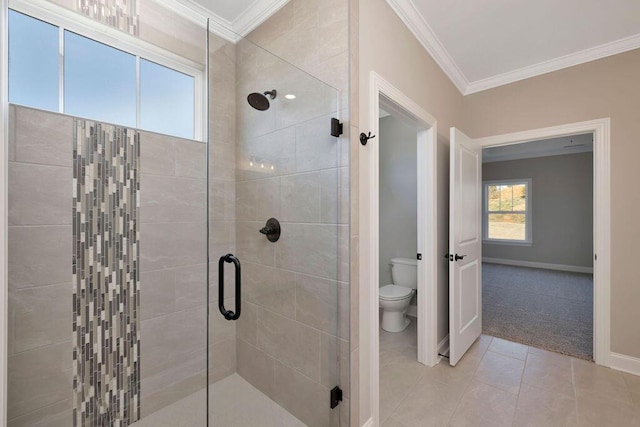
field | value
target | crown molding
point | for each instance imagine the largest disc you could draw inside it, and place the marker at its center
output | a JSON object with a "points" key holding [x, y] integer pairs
{"points": [[409, 14], [256, 14], [413, 19], [198, 14], [566, 61]]}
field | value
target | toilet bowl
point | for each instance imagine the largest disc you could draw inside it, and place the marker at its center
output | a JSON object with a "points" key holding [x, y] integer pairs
{"points": [[394, 298]]}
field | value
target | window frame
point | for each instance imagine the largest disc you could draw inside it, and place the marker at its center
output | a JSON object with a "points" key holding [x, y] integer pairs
{"points": [[528, 241], [68, 20]]}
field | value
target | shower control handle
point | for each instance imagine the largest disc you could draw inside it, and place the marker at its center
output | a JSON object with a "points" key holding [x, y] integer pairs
{"points": [[271, 230], [228, 314], [266, 230]]}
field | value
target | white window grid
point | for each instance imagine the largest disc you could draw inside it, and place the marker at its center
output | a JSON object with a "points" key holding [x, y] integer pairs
{"points": [[527, 212], [68, 20]]}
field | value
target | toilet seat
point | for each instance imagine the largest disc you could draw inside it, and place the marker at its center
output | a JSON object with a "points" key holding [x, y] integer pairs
{"points": [[393, 292]]}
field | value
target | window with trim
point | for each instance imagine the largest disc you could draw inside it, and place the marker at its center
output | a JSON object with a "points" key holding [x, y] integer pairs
{"points": [[56, 67], [507, 211]]}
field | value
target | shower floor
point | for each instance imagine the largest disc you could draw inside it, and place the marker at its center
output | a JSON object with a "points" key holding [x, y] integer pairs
{"points": [[234, 402]]}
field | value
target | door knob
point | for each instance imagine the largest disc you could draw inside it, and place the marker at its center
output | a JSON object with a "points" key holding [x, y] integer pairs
{"points": [[459, 257]]}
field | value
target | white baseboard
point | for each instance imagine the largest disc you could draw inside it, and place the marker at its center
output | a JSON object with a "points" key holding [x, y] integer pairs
{"points": [[368, 423], [412, 311], [543, 265], [443, 346], [624, 363]]}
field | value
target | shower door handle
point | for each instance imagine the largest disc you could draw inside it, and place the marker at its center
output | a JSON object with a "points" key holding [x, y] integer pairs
{"points": [[228, 314]]}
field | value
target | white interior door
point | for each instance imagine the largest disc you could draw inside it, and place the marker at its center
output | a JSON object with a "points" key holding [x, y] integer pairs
{"points": [[465, 245]]}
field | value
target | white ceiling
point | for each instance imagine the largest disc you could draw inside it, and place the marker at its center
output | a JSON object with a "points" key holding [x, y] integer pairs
{"points": [[543, 148], [487, 43]]}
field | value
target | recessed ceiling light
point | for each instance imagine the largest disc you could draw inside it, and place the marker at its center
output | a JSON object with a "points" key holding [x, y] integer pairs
{"points": [[290, 96]]}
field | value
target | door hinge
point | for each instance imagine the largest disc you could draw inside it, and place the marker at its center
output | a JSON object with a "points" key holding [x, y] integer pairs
{"points": [[595, 257], [336, 127], [335, 397], [419, 257]]}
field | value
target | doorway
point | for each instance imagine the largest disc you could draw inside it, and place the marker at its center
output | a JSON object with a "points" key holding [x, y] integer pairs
{"points": [[537, 244], [601, 229], [384, 95]]}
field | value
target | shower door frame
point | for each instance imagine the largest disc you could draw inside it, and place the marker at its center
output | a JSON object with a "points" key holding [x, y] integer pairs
{"points": [[4, 132]]}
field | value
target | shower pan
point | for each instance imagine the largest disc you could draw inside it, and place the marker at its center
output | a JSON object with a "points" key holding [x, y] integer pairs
{"points": [[162, 276]]}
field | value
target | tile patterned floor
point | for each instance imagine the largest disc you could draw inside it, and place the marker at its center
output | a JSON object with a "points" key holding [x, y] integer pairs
{"points": [[501, 383]]}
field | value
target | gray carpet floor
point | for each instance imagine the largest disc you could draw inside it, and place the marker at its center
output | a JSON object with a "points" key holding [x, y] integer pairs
{"points": [[547, 309]]}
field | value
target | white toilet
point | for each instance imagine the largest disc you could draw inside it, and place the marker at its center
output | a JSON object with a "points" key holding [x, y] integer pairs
{"points": [[395, 297]]}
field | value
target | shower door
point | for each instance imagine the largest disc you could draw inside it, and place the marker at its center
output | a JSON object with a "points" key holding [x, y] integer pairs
{"points": [[125, 192], [274, 162]]}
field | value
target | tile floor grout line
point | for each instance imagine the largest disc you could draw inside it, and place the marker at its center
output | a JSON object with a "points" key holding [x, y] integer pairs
{"points": [[515, 409], [466, 388], [570, 409], [407, 394], [575, 390]]}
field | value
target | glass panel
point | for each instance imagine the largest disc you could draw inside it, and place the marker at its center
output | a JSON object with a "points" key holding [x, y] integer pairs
{"points": [[140, 251], [507, 226], [33, 62], [505, 198], [493, 196], [520, 197], [99, 81], [287, 166], [166, 100], [138, 190]]}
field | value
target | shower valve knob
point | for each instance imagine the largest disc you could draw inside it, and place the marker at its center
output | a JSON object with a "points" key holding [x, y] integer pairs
{"points": [[271, 230]]}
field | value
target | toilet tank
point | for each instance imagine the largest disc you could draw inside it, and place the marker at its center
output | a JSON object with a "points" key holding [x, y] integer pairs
{"points": [[404, 272]]}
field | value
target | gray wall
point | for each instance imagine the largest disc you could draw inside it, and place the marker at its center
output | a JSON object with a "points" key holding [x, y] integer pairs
{"points": [[562, 188], [398, 193]]}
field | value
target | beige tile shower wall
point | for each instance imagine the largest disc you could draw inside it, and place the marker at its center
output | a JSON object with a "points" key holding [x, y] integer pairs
{"points": [[294, 331], [222, 198], [39, 311], [173, 285], [173, 269]]}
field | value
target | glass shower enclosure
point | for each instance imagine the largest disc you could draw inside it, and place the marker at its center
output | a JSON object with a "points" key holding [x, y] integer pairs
{"points": [[178, 225]]}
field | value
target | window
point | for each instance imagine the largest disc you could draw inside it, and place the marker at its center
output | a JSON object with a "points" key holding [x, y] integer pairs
{"points": [[59, 67], [507, 211], [166, 99], [33, 62], [99, 81]]}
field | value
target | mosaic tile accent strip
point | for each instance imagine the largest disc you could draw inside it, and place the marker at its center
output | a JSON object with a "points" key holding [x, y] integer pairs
{"points": [[121, 14], [106, 294]]}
